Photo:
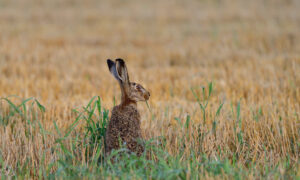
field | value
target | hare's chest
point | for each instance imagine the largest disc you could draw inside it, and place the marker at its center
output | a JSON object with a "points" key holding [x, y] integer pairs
{"points": [[131, 118], [126, 118]]}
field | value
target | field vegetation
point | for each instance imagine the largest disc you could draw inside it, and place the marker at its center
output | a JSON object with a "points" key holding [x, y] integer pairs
{"points": [[224, 77]]}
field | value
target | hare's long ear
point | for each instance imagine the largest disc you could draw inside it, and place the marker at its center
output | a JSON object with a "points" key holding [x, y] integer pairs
{"points": [[122, 71], [112, 68]]}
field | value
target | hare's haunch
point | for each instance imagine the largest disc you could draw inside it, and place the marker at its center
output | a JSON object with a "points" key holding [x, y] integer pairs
{"points": [[124, 124]]}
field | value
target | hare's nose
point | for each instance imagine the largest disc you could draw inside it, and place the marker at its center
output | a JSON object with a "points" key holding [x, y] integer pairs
{"points": [[147, 95]]}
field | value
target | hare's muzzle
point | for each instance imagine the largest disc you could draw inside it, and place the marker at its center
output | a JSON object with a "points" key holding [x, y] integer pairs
{"points": [[146, 96]]}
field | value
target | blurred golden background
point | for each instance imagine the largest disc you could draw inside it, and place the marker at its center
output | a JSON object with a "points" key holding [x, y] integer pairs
{"points": [[56, 51]]}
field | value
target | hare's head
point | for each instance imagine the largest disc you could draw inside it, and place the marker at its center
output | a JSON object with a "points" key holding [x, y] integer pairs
{"points": [[131, 91]]}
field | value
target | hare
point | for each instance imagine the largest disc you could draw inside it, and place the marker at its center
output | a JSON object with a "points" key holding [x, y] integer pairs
{"points": [[124, 124]]}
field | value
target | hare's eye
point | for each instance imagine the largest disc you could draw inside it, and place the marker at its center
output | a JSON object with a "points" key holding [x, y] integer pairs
{"points": [[134, 84]]}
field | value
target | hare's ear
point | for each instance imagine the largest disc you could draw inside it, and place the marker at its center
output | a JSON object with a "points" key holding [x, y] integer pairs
{"points": [[122, 71], [112, 68]]}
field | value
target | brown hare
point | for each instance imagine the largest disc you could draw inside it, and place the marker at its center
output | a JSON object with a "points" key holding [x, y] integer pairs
{"points": [[124, 124]]}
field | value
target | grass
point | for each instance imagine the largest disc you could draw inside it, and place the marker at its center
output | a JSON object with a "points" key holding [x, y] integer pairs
{"points": [[223, 76], [79, 153]]}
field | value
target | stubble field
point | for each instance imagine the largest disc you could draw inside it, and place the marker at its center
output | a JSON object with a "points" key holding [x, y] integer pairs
{"points": [[224, 78]]}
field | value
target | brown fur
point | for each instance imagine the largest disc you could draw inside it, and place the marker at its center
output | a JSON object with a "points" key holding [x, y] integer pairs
{"points": [[124, 125]]}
